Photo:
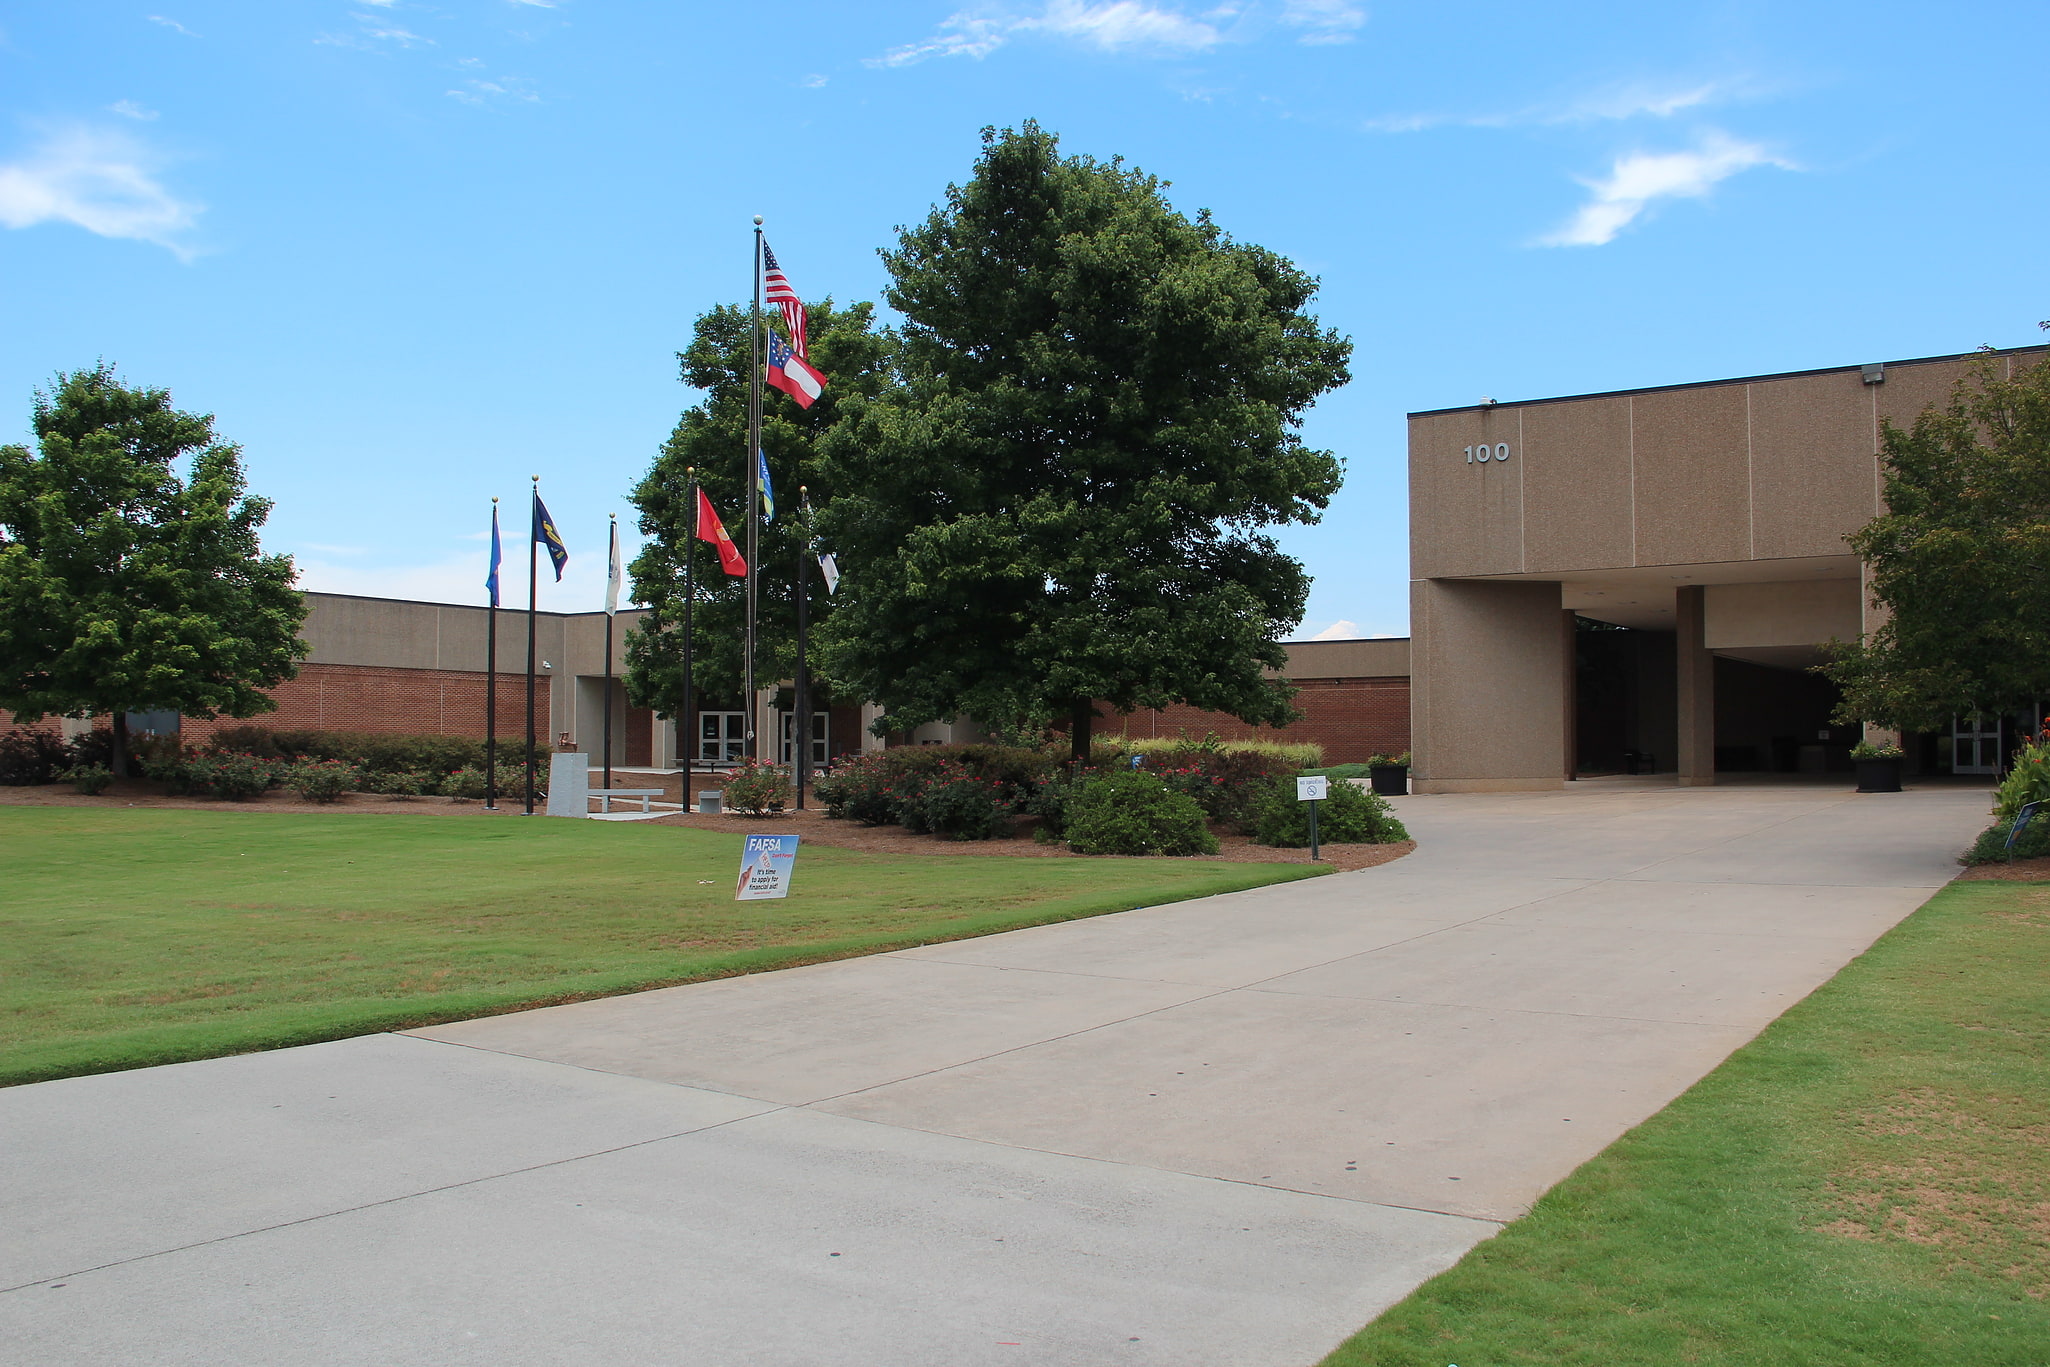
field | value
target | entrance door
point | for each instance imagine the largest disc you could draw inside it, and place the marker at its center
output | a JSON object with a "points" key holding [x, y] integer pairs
{"points": [[1975, 745], [722, 737], [821, 721]]}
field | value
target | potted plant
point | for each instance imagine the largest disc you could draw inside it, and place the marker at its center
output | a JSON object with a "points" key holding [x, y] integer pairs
{"points": [[1878, 766], [1389, 774]]}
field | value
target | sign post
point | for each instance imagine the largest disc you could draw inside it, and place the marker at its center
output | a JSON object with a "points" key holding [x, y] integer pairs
{"points": [[1312, 790], [766, 863]]}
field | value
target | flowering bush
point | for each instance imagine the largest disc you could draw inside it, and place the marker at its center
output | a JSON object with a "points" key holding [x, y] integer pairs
{"points": [[32, 757], [1133, 812], [757, 789], [956, 803], [231, 776], [858, 789], [2029, 780], [464, 784], [90, 779], [323, 780]]}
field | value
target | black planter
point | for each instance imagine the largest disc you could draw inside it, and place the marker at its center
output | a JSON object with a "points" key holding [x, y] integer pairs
{"points": [[1878, 775], [1389, 780]]}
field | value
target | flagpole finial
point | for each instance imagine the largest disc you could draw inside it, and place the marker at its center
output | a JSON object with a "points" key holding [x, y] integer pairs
{"points": [[494, 498], [758, 220], [537, 479]]}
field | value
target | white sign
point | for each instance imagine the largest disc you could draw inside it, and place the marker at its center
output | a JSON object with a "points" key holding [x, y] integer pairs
{"points": [[766, 862], [1312, 789]]}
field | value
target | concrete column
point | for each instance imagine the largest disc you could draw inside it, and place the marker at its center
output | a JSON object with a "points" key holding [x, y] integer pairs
{"points": [[1569, 686], [1696, 670], [1488, 695]]}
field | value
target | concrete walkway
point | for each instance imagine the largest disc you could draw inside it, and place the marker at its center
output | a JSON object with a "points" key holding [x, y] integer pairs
{"points": [[1223, 1132]]}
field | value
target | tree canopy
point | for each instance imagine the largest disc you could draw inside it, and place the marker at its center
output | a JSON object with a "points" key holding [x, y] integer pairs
{"points": [[712, 437], [1961, 558], [1062, 497], [126, 585]]}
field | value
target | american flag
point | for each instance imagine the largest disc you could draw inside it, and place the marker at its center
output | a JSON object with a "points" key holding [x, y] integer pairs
{"points": [[777, 286]]}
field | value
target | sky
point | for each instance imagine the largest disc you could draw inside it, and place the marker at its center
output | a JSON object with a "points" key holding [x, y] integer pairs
{"points": [[410, 254]]}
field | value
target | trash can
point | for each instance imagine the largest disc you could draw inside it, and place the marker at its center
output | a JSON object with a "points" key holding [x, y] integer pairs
{"points": [[708, 801]]}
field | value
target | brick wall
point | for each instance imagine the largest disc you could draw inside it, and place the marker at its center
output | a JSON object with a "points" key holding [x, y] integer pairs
{"points": [[444, 702], [1351, 718]]}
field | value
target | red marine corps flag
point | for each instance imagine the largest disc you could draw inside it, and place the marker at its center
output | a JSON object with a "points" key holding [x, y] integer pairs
{"points": [[711, 529]]}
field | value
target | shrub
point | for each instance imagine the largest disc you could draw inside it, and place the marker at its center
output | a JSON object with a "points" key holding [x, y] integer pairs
{"points": [[465, 784], [1351, 815], [31, 757], [1298, 754], [90, 779], [323, 780], [757, 789], [1991, 846], [162, 759], [1133, 812], [232, 776], [2028, 781], [92, 747], [960, 805], [1336, 771], [394, 783], [858, 789]]}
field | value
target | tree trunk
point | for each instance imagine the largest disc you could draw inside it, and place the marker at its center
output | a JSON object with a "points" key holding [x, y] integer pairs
{"points": [[1078, 733], [119, 764]]}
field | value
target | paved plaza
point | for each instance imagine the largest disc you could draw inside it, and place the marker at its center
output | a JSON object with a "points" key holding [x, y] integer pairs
{"points": [[1223, 1132]]}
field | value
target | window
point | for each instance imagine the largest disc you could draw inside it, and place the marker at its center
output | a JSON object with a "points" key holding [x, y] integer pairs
{"points": [[722, 737], [820, 727]]}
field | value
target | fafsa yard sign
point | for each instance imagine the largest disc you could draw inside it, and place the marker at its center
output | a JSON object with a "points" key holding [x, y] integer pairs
{"points": [[766, 863]]}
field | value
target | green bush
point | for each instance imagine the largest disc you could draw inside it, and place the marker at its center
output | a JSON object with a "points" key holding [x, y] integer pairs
{"points": [[1337, 771], [958, 804], [234, 777], [90, 779], [92, 747], [162, 759], [1351, 815], [396, 782], [1054, 798], [757, 789], [465, 784], [858, 789], [1991, 846], [323, 780], [374, 752], [32, 757], [2028, 781], [1134, 812], [1294, 754]]}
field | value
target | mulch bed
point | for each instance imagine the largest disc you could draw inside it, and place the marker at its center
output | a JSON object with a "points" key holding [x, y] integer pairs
{"points": [[811, 824], [2020, 871]]}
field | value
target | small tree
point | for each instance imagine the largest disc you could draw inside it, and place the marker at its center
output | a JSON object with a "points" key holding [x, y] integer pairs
{"points": [[1063, 499], [712, 437], [126, 585], [1962, 559]]}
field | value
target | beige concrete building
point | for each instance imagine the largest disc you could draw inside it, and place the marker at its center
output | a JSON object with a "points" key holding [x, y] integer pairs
{"points": [[1677, 552]]}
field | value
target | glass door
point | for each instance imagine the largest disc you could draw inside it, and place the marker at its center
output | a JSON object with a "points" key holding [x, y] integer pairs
{"points": [[722, 737]]}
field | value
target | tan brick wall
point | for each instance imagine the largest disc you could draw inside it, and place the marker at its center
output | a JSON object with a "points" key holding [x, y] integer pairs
{"points": [[1351, 718]]}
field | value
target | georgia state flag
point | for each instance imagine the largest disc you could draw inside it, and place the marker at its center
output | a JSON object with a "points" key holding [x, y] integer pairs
{"points": [[792, 374]]}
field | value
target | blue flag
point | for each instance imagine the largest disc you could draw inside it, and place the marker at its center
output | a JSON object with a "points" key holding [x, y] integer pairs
{"points": [[768, 490], [491, 579], [545, 533]]}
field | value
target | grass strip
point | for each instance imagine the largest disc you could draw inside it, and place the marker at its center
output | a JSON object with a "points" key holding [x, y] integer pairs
{"points": [[136, 937], [1867, 1182]]}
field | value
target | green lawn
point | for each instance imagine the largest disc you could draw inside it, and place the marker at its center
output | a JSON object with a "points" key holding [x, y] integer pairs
{"points": [[1866, 1183], [132, 937]]}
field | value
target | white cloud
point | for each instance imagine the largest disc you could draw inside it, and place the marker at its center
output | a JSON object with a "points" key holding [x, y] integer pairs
{"points": [[1324, 21], [1629, 100], [481, 91], [1107, 25], [1340, 630], [1639, 178], [129, 109], [172, 24], [535, 4], [813, 82], [101, 180]]}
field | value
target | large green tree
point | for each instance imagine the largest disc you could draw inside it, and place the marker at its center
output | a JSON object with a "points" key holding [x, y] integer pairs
{"points": [[128, 583], [1961, 557], [1063, 499], [712, 437]]}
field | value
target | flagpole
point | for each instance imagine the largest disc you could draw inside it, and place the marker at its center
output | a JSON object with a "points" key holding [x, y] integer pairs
{"points": [[491, 679], [754, 493], [800, 721], [612, 558], [533, 592], [687, 750]]}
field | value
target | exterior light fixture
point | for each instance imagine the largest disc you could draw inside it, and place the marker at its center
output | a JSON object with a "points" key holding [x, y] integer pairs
{"points": [[1875, 373]]}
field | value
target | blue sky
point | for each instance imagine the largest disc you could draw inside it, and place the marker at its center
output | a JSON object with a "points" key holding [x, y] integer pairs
{"points": [[410, 253]]}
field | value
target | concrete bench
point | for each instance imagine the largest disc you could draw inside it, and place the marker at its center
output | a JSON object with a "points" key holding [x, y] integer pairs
{"points": [[605, 796]]}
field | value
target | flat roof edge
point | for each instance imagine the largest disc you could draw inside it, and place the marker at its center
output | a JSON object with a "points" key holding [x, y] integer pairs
{"points": [[1712, 384], [467, 607]]}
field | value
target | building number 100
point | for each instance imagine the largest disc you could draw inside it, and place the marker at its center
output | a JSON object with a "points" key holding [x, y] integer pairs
{"points": [[1484, 453]]}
